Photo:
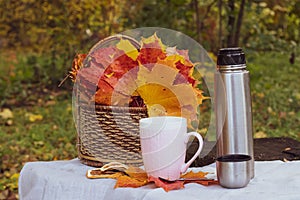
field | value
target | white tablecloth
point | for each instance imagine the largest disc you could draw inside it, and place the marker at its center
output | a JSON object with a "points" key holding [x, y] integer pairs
{"points": [[66, 180]]}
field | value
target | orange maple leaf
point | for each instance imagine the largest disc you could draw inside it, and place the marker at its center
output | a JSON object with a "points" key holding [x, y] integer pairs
{"points": [[136, 173], [133, 177], [192, 174], [127, 181], [198, 175], [167, 185]]}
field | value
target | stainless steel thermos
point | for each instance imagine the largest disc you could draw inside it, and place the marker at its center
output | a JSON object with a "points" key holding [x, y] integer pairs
{"points": [[233, 112]]}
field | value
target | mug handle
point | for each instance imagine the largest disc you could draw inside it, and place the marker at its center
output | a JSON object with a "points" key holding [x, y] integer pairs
{"points": [[185, 166]]}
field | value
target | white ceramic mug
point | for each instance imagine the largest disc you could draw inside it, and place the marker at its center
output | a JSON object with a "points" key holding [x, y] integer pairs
{"points": [[164, 144]]}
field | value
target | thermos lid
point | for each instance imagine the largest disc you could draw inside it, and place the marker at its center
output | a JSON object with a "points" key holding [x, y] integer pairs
{"points": [[231, 56]]}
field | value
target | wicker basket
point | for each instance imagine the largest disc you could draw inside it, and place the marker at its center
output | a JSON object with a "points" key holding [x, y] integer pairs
{"points": [[108, 133]]}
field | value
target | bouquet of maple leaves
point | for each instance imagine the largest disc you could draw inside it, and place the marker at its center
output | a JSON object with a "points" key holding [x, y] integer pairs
{"points": [[155, 75]]}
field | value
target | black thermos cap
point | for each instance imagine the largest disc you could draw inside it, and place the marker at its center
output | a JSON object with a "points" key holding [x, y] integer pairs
{"points": [[231, 56]]}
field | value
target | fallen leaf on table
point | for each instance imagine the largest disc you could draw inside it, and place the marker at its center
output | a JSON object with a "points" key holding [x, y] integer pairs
{"points": [[198, 175], [135, 177], [136, 173], [166, 185], [129, 176], [127, 181], [203, 182], [192, 174]]}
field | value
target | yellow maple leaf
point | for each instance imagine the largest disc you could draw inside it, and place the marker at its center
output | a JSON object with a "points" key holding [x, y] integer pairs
{"points": [[159, 100], [162, 97], [154, 41], [128, 48], [192, 174], [173, 58]]}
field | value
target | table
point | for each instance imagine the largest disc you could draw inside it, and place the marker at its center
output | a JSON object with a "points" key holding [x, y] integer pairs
{"points": [[66, 180], [265, 149]]}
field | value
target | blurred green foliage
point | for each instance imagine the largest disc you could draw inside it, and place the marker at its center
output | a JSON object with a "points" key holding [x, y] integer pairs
{"points": [[59, 26], [67, 27], [44, 36], [272, 25]]}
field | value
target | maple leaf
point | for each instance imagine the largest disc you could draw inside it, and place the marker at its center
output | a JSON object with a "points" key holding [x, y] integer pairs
{"points": [[159, 95], [125, 90], [184, 53], [104, 56], [167, 185], [161, 76], [93, 68], [198, 175], [90, 76], [77, 65], [130, 176], [179, 59], [136, 173], [156, 88], [103, 69], [127, 181], [103, 94], [166, 83], [195, 175], [185, 74], [120, 64], [128, 48], [151, 50]]}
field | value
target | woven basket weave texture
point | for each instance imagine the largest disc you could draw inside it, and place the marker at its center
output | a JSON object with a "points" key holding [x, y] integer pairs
{"points": [[108, 133]]}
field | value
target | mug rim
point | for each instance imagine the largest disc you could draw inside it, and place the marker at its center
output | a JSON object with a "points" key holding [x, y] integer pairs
{"points": [[173, 118]]}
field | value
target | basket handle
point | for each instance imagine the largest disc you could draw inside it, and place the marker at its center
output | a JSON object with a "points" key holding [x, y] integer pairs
{"points": [[106, 41], [117, 37]]}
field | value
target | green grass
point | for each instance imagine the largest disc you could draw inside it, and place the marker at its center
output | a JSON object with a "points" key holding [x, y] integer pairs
{"points": [[51, 134], [275, 95], [42, 126], [51, 138]]}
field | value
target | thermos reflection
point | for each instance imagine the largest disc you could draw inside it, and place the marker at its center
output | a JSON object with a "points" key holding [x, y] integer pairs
{"points": [[233, 105]]}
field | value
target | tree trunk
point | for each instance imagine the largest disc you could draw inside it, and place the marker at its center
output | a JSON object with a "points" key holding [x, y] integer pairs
{"points": [[198, 24], [220, 2], [231, 22], [239, 23]]}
